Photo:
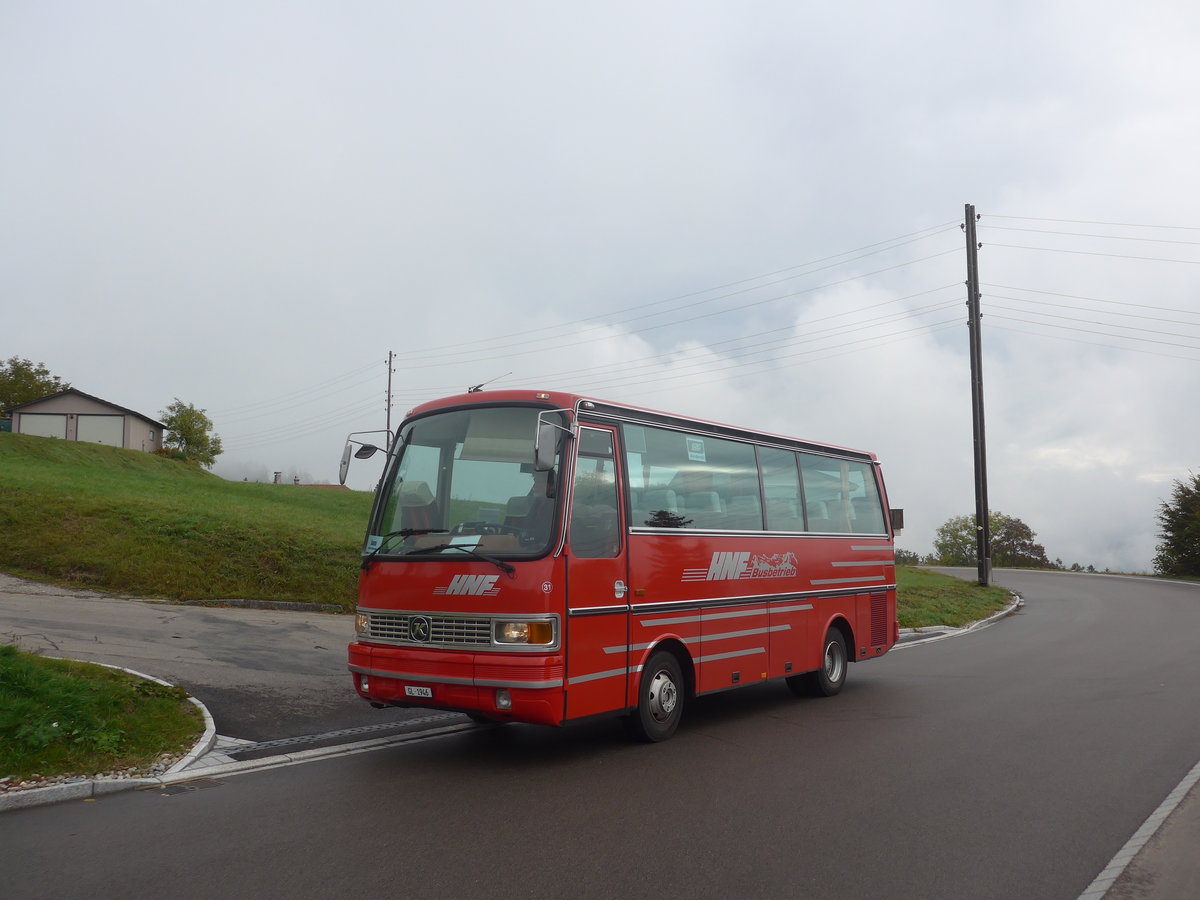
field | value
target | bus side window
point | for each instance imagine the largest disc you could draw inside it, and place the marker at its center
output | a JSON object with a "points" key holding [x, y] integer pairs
{"points": [[781, 486], [841, 496]]}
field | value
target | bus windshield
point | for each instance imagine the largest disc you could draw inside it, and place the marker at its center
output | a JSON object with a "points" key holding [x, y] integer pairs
{"points": [[465, 479]]}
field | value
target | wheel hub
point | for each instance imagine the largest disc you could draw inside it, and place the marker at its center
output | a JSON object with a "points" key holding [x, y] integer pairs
{"points": [[663, 696]]}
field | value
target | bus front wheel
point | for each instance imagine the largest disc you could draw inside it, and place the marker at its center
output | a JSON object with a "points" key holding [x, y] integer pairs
{"points": [[829, 679], [660, 699]]}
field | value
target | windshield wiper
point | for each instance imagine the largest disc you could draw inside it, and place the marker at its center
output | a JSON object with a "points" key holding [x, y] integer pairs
{"points": [[404, 533], [470, 551]]}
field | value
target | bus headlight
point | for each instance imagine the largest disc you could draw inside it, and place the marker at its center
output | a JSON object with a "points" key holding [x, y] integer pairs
{"points": [[524, 633], [362, 623]]}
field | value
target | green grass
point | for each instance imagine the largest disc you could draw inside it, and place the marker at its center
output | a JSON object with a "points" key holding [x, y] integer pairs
{"points": [[115, 520], [926, 598], [129, 522], [59, 717]]}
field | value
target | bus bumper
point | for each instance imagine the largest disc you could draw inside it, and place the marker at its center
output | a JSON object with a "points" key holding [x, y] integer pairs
{"points": [[499, 686]]}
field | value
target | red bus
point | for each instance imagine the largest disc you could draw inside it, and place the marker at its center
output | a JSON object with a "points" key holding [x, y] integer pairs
{"points": [[544, 557]]}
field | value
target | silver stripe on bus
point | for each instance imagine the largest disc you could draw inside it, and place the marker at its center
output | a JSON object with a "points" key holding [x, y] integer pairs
{"points": [[860, 580], [755, 533], [749, 631], [556, 683], [641, 609], [432, 679], [787, 609], [597, 610], [596, 676], [632, 648], [862, 562], [665, 606], [729, 635], [873, 547], [703, 617], [731, 655], [404, 676]]}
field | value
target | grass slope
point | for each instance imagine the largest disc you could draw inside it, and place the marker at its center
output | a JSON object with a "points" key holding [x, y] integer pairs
{"points": [[120, 520], [926, 598]]}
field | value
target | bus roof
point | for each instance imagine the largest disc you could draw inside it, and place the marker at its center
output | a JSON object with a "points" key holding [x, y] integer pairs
{"points": [[590, 408]]}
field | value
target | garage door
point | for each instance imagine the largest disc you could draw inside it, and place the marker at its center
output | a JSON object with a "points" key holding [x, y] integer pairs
{"points": [[108, 430], [44, 424]]}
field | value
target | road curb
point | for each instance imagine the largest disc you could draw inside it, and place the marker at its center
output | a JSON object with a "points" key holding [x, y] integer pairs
{"points": [[929, 633], [87, 788]]}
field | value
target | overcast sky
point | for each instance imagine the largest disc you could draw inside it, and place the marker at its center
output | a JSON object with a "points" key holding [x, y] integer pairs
{"points": [[747, 212]]}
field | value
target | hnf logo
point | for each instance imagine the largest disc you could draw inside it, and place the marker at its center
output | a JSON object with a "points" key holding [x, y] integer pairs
{"points": [[471, 584], [727, 566], [735, 565]]}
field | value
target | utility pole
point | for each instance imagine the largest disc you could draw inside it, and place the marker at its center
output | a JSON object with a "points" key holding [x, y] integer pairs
{"points": [[391, 355], [983, 535]]}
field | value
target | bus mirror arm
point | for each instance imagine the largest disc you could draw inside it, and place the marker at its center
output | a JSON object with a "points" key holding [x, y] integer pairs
{"points": [[545, 445], [364, 451]]}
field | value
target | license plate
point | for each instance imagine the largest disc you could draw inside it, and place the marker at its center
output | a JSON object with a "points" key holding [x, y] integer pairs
{"points": [[423, 692]]}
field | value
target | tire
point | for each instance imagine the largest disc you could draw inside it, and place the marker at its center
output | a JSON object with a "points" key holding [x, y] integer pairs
{"points": [[831, 677], [660, 699]]}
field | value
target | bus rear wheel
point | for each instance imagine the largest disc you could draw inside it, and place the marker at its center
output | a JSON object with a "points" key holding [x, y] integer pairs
{"points": [[660, 699], [829, 679]]}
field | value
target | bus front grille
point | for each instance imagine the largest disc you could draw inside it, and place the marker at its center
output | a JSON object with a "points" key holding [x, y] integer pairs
{"points": [[399, 628]]}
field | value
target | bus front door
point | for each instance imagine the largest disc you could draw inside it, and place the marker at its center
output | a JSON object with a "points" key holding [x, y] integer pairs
{"points": [[597, 581]]}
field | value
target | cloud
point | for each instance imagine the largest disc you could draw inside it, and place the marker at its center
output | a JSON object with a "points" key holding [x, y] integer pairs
{"points": [[677, 206]]}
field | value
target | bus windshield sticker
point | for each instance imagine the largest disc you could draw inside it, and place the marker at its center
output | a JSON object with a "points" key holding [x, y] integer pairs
{"points": [[466, 540], [695, 449], [374, 542]]}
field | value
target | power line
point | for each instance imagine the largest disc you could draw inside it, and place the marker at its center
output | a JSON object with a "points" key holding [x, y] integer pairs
{"points": [[1089, 331], [658, 386], [609, 318], [1085, 309], [1095, 253], [1005, 287], [1089, 322], [295, 430], [707, 315], [238, 410], [1106, 237], [791, 326], [1058, 337], [745, 352], [688, 373], [1091, 222]]}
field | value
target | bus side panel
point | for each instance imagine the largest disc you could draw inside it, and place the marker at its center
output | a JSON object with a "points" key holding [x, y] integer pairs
{"points": [[720, 593], [761, 600], [597, 663], [794, 648], [735, 645]]}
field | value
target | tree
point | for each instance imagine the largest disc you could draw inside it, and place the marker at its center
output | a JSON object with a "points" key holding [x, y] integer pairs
{"points": [[1179, 518], [23, 381], [1012, 543], [190, 433]]}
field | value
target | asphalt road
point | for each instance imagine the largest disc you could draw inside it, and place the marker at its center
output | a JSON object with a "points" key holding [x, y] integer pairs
{"points": [[1010, 763], [263, 674]]}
